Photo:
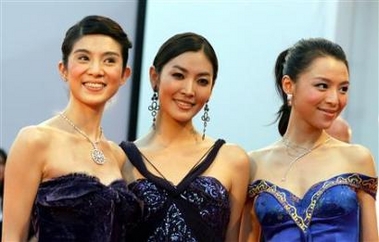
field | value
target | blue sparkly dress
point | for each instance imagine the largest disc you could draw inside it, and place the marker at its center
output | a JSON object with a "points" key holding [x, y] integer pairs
{"points": [[196, 210], [328, 212], [78, 207]]}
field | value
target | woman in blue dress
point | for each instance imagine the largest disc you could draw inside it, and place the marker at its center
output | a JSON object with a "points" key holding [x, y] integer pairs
{"points": [[308, 186], [63, 174], [193, 186]]}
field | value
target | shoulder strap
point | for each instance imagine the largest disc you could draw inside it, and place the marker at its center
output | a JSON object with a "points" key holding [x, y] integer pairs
{"points": [[135, 157], [201, 167], [365, 183]]}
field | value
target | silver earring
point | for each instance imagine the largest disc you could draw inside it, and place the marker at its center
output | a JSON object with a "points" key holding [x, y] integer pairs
{"points": [[205, 118], [154, 107], [289, 100]]}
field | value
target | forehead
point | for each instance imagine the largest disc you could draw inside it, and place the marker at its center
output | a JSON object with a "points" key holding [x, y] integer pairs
{"points": [[328, 67], [192, 61], [97, 43]]}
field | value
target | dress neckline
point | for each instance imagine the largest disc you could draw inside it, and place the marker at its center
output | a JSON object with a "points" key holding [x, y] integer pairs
{"points": [[136, 159], [84, 175], [354, 175]]}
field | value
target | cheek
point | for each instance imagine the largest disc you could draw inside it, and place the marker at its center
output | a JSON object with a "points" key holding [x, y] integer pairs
{"points": [[75, 70], [343, 101], [115, 73]]}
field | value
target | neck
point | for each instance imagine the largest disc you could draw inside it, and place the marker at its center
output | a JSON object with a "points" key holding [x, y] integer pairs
{"points": [[167, 135], [87, 120]]}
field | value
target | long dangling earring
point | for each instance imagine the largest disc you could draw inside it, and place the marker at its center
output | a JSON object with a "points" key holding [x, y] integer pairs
{"points": [[205, 118], [154, 106], [289, 100]]}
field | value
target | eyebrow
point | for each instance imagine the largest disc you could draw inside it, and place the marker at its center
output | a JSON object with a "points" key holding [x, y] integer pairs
{"points": [[328, 80], [105, 53], [186, 71]]}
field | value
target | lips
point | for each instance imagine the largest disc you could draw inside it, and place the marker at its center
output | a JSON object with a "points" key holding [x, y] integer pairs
{"points": [[329, 112], [94, 85], [184, 104]]}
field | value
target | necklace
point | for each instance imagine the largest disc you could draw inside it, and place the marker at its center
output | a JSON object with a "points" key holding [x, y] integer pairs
{"points": [[293, 149], [96, 154], [288, 145]]}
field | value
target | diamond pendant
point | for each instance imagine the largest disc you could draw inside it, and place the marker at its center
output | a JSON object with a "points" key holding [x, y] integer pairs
{"points": [[98, 156]]}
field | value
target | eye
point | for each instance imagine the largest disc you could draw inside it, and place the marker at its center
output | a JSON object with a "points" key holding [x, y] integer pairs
{"points": [[83, 58], [322, 86], [344, 89], [203, 81], [110, 60], [178, 76]]}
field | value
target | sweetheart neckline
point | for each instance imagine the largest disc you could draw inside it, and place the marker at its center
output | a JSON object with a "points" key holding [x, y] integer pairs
{"points": [[307, 191], [175, 186], [82, 174]]}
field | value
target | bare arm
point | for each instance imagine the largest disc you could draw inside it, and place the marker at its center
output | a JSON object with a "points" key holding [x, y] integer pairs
{"points": [[369, 228], [23, 173], [250, 228], [237, 194]]}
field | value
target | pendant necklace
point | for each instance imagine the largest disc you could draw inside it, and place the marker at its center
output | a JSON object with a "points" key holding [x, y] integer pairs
{"points": [[289, 146], [96, 154]]}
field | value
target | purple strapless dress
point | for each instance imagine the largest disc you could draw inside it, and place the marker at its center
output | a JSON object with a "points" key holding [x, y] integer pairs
{"points": [[78, 207]]}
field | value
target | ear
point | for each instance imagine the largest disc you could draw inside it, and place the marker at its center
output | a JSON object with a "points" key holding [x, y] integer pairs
{"points": [[125, 75], [154, 77], [62, 71], [287, 84]]}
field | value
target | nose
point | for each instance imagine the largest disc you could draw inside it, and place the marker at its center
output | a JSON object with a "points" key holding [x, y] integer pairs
{"points": [[188, 87], [95, 68], [332, 97]]}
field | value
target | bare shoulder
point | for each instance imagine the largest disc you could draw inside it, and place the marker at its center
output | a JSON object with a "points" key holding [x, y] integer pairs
{"points": [[117, 151], [127, 167], [30, 142], [236, 154], [260, 155], [360, 158], [33, 137]]}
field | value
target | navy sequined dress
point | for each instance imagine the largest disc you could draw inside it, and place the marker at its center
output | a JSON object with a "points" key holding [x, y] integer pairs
{"points": [[78, 207], [195, 210], [329, 210]]}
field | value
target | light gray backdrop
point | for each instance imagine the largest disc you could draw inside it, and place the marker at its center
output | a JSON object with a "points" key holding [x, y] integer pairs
{"points": [[31, 35]]}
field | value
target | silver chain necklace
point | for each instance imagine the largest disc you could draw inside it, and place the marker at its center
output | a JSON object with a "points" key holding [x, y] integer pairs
{"points": [[96, 154], [288, 145]]}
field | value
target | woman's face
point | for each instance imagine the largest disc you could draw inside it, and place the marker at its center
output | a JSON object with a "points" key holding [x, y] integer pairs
{"points": [[94, 70], [184, 85], [320, 93]]}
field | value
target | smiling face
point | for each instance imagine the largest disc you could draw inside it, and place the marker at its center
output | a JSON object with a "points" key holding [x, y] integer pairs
{"points": [[320, 93], [94, 70], [184, 85]]}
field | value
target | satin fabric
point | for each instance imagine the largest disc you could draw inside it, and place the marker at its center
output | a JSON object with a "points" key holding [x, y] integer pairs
{"points": [[328, 212]]}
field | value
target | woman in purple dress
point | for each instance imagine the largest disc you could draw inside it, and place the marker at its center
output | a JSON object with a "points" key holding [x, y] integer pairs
{"points": [[193, 186], [63, 174], [309, 186]]}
